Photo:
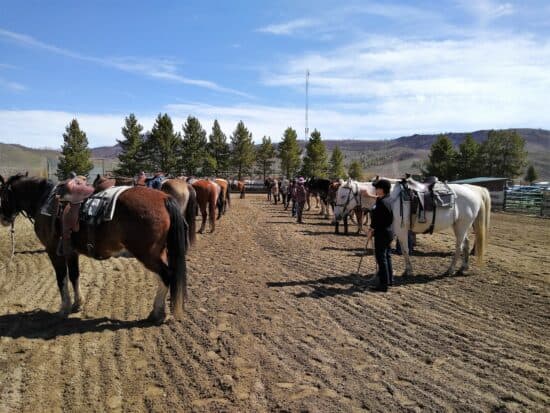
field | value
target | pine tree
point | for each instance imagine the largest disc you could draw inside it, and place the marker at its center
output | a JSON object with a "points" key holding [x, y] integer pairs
{"points": [[531, 175], [442, 159], [264, 156], [337, 169], [356, 170], [162, 145], [315, 162], [75, 154], [129, 158], [503, 154], [289, 153], [467, 160], [218, 151], [243, 155], [193, 147]]}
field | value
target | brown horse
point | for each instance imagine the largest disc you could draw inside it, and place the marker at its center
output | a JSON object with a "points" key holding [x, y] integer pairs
{"points": [[241, 188], [207, 196], [146, 223], [185, 195], [225, 194]]}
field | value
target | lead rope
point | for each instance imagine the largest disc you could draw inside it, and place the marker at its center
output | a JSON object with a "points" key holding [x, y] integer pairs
{"points": [[12, 236]]}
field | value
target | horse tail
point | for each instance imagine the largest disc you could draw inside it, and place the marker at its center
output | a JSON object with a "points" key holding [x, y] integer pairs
{"points": [[191, 215], [228, 195], [481, 225], [177, 246]]}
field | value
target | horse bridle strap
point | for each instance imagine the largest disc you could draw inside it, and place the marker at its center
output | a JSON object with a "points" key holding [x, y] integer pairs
{"points": [[350, 193]]}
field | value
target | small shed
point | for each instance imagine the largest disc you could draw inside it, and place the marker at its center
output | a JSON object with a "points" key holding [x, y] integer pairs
{"points": [[496, 187]]}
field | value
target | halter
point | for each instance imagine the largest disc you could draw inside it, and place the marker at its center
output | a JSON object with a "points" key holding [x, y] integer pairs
{"points": [[350, 193]]}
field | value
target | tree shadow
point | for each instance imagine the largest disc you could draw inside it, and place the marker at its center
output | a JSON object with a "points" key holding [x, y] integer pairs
{"points": [[44, 325], [351, 284]]}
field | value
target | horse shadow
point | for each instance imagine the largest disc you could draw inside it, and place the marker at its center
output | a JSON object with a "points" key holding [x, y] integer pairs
{"points": [[352, 283], [40, 324], [31, 252], [314, 233]]}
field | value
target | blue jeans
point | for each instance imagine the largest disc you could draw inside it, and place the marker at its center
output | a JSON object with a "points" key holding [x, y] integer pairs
{"points": [[382, 251]]}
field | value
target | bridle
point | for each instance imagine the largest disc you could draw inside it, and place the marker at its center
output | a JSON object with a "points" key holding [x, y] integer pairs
{"points": [[351, 194]]}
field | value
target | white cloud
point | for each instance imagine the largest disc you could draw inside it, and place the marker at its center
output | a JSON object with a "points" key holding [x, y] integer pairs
{"points": [[12, 86], [487, 10], [289, 27], [164, 69]]}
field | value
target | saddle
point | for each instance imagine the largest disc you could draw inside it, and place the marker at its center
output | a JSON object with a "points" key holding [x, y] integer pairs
{"points": [[427, 197]]}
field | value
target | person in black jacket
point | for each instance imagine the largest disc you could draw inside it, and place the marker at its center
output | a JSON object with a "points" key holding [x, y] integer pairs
{"points": [[381, 229]]}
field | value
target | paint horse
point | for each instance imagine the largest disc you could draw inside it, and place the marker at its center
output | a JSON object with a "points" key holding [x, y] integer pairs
{"points": [[146, 223]]}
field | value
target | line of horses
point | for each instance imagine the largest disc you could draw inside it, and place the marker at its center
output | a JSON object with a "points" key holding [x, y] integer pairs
{"points": [[157, 227], [471, 209]]}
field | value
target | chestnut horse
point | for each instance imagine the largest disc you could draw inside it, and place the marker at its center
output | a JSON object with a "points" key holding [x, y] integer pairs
{"points": [[185, 195], [146, 223], [207, 196], [225, 195], [241, 188]]}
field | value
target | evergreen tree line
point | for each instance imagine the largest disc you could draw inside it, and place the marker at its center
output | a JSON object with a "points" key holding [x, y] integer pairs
{"points": [[502, 154], [192, 153]]}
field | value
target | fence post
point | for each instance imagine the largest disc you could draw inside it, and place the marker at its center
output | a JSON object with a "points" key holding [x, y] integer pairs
{"points": [[504, 201]]}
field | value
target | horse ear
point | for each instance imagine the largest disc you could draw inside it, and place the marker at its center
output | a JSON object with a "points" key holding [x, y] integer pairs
{"points": [[2, 180], [26, 173]]}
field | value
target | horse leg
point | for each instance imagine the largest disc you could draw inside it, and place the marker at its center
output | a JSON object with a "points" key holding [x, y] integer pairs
{"points": [[402, 235], [212, 214], [466, 254], [203, 213], [158, 314], [346, 225], [460, 234], [74, 276], [60, 266], [359, 217]]}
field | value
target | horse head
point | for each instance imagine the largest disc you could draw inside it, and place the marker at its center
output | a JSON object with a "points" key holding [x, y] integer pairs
{"points": [[346, 199]]}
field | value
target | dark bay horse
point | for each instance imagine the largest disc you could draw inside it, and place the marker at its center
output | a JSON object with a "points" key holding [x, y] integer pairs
{"points": [[185, 195], [319, 187], [147, 223], [207, 197]]}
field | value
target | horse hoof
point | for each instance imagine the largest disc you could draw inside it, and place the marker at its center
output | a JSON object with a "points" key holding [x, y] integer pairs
{"points": [[63, 313], [76, 308], [156, 318]]}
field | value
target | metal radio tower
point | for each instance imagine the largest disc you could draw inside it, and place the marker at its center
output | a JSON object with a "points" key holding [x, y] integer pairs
{"points": [[307, 103]]}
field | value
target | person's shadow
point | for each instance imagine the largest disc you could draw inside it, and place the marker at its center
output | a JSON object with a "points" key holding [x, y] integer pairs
{"points": [[44, 325], [352, 283]]}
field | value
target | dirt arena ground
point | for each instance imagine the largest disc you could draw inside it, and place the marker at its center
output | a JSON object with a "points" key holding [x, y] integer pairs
{"points": [[278, 321]]}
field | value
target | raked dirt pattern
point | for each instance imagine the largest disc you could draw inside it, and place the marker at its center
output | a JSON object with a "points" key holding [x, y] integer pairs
{"points": [[277, 321]]}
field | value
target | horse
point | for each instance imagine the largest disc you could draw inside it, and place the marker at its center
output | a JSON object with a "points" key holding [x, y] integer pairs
{"points": [[275, 190], [319, 187], [146, 223], [472, 208], [225, 194], [207, 197], [241, 188], [186, 197], [285, 184], [352, 197]]}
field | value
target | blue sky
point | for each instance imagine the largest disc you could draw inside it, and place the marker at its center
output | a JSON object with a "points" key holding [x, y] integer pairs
{"points": [[378, 69]]}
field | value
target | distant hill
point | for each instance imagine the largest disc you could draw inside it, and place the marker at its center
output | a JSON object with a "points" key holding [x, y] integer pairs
{"points": [[391, 157]]}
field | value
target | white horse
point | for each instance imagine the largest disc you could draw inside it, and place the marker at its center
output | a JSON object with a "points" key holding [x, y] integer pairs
{"points": [[472, 208], [353, 196]]}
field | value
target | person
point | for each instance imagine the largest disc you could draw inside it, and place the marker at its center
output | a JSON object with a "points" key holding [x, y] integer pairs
{"points": [[299, 196], [381, 229]]}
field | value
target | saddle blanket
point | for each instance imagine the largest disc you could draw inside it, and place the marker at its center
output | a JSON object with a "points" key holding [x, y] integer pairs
{"points": [[101, 206]]}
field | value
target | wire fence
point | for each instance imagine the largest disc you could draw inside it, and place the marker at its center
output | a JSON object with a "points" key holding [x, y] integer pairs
{"points": [[526, 200]]}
